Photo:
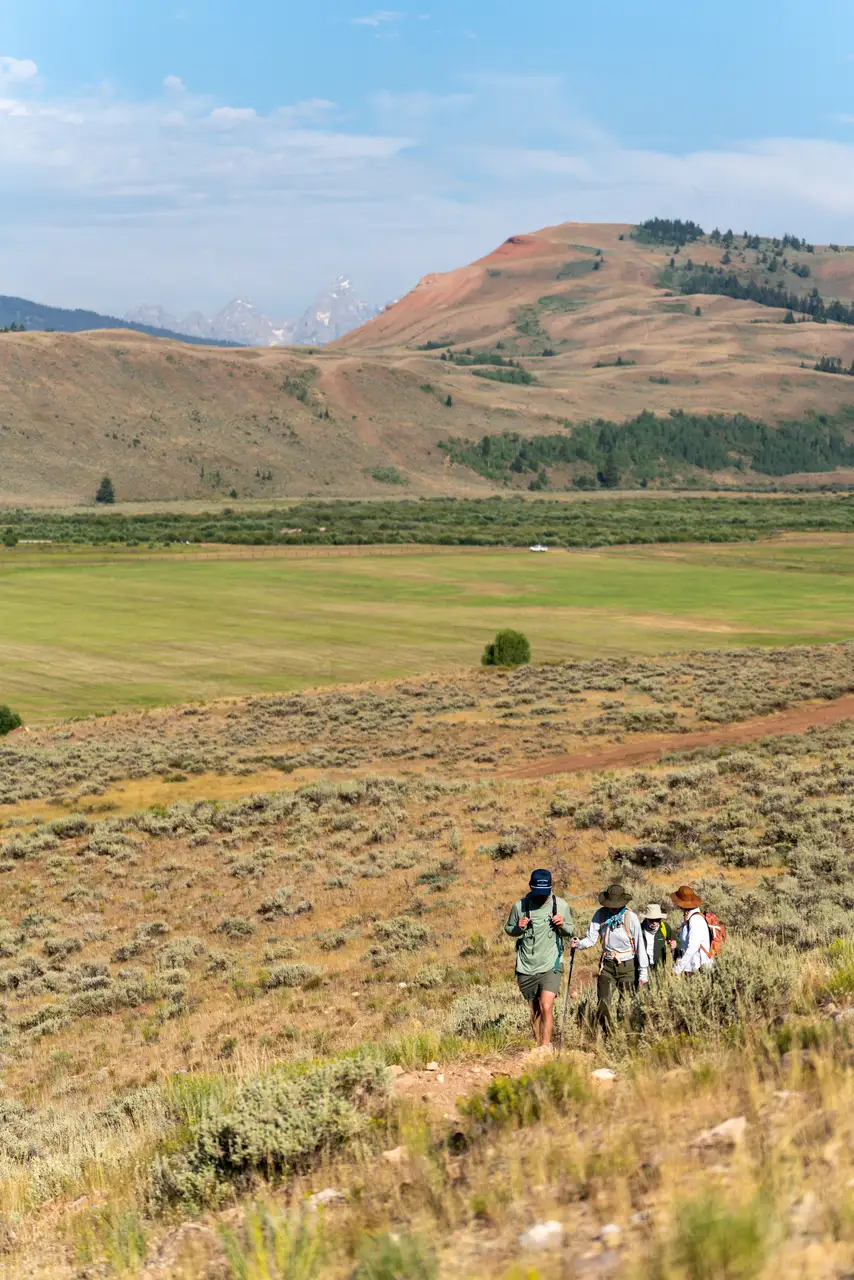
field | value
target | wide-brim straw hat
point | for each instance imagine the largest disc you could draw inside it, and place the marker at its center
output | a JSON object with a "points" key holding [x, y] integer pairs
{"points": [[685, 897], [615, 896], [653, 912]]}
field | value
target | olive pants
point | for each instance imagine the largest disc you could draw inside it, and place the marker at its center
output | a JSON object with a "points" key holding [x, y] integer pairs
{"points": [[614, 980]]}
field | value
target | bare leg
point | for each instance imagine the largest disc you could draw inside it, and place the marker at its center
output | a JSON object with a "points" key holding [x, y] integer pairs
{"points": [[547, 1019], [535, 1018]]}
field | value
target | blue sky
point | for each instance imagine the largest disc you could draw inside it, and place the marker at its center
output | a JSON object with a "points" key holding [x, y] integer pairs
{"points": [[185, 152]]}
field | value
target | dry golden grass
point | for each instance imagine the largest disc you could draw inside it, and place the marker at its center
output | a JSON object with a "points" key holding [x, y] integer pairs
{"points": [[169, 421], [447, 849]]}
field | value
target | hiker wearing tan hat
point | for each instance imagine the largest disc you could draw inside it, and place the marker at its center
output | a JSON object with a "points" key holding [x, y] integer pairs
{"points": [[623, 951], [695, 936], [656, 934]]}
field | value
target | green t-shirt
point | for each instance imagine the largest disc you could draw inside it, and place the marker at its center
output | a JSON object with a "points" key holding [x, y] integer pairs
{"points": [[537, 947]]}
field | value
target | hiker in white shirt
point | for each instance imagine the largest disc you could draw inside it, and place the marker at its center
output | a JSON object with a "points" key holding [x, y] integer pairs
{"points": [[695, 936], [624, 961]]}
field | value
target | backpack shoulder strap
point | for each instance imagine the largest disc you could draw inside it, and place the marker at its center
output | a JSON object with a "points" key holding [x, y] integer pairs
{"points": [[707, 951]]}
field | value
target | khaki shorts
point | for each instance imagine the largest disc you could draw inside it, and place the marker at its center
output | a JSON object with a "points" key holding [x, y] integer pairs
{"points": [[531, 984]]}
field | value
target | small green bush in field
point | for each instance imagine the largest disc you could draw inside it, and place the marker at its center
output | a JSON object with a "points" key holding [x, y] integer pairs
{"points": [[396, 1257], [526, 1100], [9, 720], [713, 1240], [841, 983], [270, 1244], [508, 649], [278, 1124]]}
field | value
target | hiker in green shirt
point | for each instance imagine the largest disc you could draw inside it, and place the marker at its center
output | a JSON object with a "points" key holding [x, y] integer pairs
{"points": [[540, 922]]}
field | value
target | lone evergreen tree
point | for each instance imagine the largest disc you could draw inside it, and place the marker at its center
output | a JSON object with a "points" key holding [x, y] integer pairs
{"points": [[610, 473], [106, 492], [508, 649], [10, 538]]}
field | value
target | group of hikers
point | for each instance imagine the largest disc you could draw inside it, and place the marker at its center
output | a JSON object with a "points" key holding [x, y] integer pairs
{"points": [[633, 946]]}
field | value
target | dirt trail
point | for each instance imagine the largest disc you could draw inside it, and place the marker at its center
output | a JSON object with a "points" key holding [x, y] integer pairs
{"points": [[652, 747], [441, 1087]]}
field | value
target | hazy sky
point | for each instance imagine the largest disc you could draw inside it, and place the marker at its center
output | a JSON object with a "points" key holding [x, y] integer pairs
{"points": [[187, 151]]}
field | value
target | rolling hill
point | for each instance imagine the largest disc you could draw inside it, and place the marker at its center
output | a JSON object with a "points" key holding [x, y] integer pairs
{"points": [[40, 316], [573, 323]]}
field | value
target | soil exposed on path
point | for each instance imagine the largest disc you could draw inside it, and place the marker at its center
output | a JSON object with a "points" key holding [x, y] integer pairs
{"points": [[653, 747]]}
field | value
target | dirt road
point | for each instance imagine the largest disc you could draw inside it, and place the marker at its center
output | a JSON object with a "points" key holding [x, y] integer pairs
{"points": [[651, 747]]}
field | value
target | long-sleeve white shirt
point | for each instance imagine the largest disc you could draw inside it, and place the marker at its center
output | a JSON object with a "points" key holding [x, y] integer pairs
{"points": [[623, 941], [695, 941]]}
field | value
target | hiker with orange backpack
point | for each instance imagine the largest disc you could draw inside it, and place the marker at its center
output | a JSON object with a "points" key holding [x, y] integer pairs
{"points": [[702, 935]]}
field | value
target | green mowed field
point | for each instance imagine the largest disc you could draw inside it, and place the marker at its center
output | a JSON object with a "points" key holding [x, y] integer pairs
{"points": [[84, 632]]}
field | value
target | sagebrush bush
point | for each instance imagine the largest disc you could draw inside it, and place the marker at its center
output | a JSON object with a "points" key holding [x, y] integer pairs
{"points": [[278, 1124], [401, 933], [497, 1010], [292, 975]]}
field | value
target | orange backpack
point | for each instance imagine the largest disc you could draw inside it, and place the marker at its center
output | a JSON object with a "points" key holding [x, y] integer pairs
{"points": [[717, 934]]}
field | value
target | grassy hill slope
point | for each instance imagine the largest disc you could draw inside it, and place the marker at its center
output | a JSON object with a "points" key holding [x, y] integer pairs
{"points": [[175, 421]]}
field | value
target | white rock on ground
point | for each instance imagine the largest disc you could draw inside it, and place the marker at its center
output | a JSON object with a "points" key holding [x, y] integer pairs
{"points": [[542, 1235], [729, 1134], [329, 1195], [397, 1155], [605, 1074], [611, 1235]]}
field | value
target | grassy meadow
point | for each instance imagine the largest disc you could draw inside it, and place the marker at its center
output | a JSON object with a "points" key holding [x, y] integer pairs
{"points": [[88, 631]]}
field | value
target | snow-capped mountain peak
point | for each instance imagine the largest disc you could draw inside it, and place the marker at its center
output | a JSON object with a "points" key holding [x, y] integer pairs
{"points": [[337, 311]]}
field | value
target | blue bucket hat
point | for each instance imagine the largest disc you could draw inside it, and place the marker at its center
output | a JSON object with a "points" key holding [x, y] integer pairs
{"points": [[541, 881]]}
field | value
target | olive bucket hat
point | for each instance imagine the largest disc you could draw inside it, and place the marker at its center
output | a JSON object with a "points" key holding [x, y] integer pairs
{"points": [[615, 897]]}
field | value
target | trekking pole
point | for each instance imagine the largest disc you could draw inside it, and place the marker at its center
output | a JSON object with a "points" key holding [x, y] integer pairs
{"points": [[566, 1002]]}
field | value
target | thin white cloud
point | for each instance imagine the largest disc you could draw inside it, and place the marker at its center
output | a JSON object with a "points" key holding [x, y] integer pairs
{"points": [[378, 19], [105, 199], [17, 70], [230, 116], [11, 107], [174, 83]]}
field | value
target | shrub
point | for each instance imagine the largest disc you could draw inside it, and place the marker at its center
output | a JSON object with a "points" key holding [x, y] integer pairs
{"points": [[274, 1245], [508, 649], [393, 1257], [9, 720], [401, 933], [278, 1124], [526, 1100], [649, 855], [282, 904], [713, 1240], [293, 975], [497, 1009], [235, 927]]}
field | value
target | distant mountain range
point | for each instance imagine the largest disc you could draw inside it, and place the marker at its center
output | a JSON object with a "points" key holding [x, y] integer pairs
{"points": [[336, 312], [36, 315]]}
